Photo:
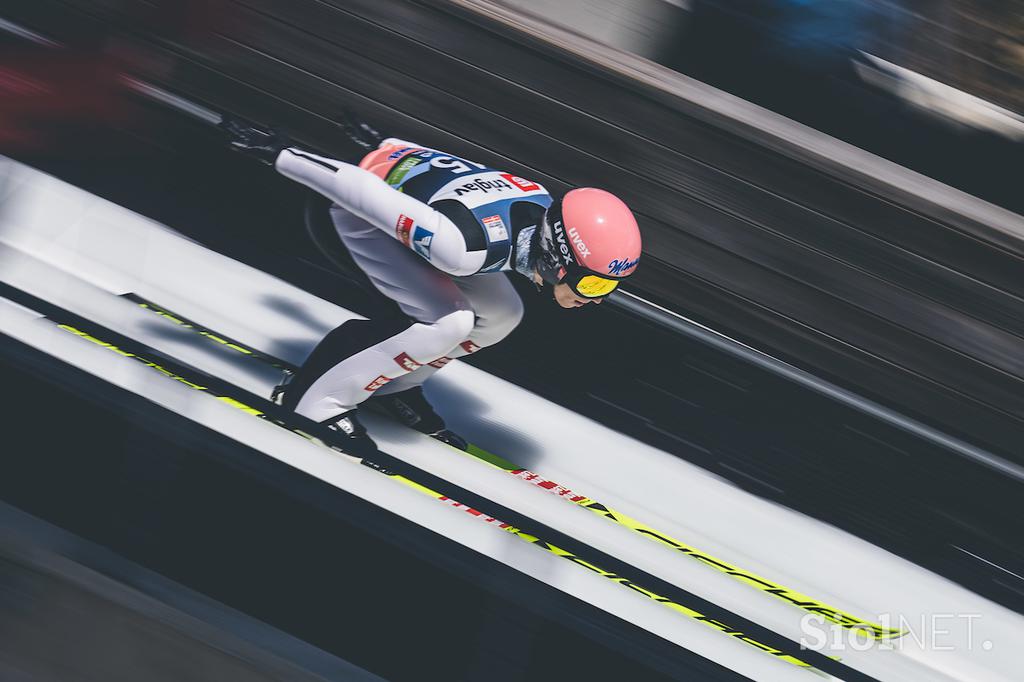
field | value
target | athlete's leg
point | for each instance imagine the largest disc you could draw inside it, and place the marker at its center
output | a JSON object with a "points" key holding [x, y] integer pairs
{"points": [[497, 306], [443, 314], [497, 310], [356, 378]]}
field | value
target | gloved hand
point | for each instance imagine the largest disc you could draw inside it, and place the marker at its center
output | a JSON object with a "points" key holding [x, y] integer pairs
{"points": [[263, 145], [362, 134]]}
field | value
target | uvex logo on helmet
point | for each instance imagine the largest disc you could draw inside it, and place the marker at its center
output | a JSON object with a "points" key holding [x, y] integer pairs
{"points": [[577, 241], [561, 244]]}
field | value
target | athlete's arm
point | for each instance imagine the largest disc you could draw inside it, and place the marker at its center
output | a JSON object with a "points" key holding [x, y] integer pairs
{"points": [[429, 233]]}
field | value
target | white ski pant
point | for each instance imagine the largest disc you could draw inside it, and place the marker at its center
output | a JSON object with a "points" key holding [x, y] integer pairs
{"points": [[454, 316]]}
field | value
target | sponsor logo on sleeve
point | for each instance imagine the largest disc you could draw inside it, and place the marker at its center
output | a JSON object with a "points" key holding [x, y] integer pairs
{"points": [[407, 363], [421, 240], [376, 383], [496, 230], [402, 229], [621, 266], [522, 183], [440, 362], [469, 346], [401, 169]]}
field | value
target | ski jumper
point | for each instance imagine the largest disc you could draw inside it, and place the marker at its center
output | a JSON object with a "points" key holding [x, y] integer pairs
{"points": [[435, 233]]}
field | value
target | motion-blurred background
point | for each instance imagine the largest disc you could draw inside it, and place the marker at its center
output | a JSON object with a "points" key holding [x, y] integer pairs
{"points": [[835, 183]]}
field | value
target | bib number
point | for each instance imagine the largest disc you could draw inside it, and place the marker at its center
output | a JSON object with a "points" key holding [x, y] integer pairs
{"points": [[454, 165]]}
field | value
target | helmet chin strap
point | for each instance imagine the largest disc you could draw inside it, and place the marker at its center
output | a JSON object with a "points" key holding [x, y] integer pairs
{"points": [[548, 264], [549, 271]]}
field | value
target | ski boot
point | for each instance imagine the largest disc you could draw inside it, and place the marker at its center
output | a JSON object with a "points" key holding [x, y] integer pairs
{"points": [[350, 435], [410, 407], [277, 396]]}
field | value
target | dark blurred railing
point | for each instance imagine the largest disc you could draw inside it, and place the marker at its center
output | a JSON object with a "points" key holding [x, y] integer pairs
{"points": [[73, 608], [973, 45]]}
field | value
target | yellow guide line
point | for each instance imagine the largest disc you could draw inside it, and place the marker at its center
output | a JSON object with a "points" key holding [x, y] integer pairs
{"points": [[798, 599], [614, 577], [809, 604], [553, 549]]}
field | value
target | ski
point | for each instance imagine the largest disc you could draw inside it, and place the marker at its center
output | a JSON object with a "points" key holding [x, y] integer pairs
{"points": [[809, 604], [198, 380]]}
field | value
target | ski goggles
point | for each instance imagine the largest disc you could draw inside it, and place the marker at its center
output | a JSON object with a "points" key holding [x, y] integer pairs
{"points": [[587, 284]]}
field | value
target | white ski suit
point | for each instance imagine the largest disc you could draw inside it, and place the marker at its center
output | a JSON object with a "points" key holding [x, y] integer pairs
{"points": [[435, 233]]}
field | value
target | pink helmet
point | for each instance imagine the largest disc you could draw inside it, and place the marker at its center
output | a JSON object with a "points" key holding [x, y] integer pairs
{"points": [[591, 241]]}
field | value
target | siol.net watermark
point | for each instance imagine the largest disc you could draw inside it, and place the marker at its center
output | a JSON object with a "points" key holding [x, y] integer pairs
{"points": [[932, 632]]}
